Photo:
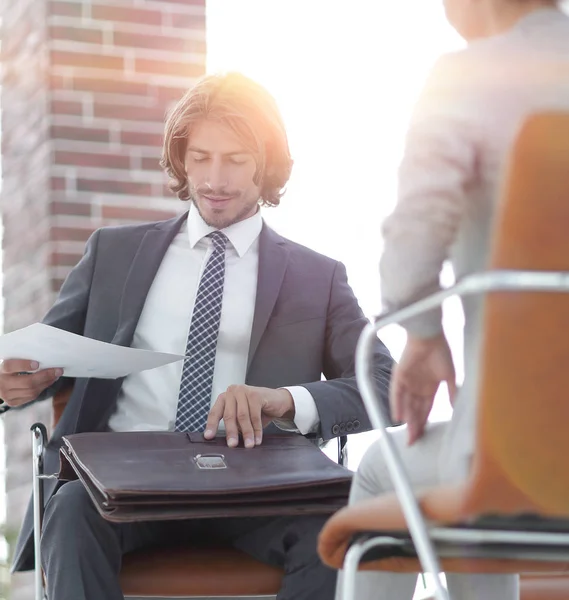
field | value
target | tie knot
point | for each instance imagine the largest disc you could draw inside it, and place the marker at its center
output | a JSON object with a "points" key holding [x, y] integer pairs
{"points": [[219, 240]]}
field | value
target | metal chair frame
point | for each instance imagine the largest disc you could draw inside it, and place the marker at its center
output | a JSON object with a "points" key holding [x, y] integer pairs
{"points": [[423, 536]]}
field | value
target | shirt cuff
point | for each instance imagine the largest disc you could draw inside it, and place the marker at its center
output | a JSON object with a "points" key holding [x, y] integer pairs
{"points": [[306, 419], [426, 325]]}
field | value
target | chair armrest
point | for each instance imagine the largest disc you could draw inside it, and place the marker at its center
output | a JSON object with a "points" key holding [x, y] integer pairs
{"points": [[480, 283]]}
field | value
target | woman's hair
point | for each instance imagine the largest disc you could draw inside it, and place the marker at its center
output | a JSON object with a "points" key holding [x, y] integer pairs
{"points": [[246, 108]]}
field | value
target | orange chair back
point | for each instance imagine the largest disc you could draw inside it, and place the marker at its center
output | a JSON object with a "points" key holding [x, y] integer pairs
{"points": [[523, 420]]}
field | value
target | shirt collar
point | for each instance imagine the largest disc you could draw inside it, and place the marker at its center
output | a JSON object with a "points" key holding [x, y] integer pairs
{"points": [[241, 234]]}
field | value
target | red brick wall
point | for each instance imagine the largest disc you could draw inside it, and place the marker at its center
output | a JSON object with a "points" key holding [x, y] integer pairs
{"points": [[85, 89]]}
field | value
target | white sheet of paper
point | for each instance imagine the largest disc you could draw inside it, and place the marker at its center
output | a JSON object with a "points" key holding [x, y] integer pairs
{"points": [[79, 356]]}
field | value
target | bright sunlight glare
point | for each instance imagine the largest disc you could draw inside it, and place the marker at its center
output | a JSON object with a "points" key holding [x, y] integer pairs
{"points": [[345, 76]]}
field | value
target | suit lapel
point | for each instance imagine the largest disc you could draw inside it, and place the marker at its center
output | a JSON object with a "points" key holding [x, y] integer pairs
{"points": [[273, 259], [141, 274], [94, 415]]}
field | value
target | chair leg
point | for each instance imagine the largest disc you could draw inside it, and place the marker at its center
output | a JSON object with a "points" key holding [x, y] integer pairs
{"points": [[353, 558], [415, 521], [39, 438], [351, 564]]}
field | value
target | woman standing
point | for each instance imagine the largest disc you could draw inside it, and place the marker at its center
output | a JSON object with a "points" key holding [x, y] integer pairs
{"points": [[516, 63]]}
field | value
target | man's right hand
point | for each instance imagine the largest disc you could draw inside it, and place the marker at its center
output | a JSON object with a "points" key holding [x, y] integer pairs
{"points": [[21, 382]]}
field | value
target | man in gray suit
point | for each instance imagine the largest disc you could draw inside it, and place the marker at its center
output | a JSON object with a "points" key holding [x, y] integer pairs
{"points": [[260, 317], [474, 103]]}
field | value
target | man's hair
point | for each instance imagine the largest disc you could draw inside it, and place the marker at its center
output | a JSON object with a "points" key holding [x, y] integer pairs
{"points": [[246, 108]]}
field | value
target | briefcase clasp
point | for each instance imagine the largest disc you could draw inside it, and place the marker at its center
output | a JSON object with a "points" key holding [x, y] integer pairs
{"points": [[210, 461]]}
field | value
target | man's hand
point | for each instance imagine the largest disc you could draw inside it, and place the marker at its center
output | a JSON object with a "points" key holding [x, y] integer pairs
{"points": [[424, 365], [248, 409], [21, 382]]}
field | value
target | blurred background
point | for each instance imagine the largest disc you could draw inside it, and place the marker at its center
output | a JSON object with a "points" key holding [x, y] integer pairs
{"points": [[85, 86]]}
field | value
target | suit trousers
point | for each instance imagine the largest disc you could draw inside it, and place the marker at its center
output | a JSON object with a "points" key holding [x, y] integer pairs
{"points": [[82, 552], [423, 468]]}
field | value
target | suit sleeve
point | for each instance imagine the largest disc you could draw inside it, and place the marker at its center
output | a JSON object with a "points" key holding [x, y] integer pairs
{"points": [[70, 308], [337, 399]]}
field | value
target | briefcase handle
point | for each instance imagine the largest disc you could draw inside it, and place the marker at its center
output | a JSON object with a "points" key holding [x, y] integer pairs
{"points": [[342, 445]]}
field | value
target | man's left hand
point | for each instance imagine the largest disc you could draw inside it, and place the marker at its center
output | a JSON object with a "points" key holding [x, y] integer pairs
{"points": [[424, 365], [248, 410]]}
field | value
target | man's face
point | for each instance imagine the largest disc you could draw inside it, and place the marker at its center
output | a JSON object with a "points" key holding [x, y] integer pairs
{"points": [[220, 174]]}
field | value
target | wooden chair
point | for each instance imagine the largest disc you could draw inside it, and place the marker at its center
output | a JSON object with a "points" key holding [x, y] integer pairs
{"points": [[544, 587], [512, 512]]}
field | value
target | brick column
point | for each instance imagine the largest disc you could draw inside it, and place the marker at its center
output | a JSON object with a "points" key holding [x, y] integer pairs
{"points": [[85, 89]]}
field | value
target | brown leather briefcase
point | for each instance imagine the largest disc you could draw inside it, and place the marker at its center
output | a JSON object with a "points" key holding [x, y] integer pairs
{"points": [[142, 476]]}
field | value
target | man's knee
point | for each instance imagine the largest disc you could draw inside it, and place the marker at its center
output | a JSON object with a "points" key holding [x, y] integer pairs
{"points": [[300, 532], [309, 529], [73, 525], [68, 508], [65, 516]]}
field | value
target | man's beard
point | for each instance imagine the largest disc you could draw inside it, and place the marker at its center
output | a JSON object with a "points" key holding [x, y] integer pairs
{"points": [[222, 222]]}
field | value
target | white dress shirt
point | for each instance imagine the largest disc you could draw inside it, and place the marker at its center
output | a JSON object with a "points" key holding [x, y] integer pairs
{"points": [[148, 400]]}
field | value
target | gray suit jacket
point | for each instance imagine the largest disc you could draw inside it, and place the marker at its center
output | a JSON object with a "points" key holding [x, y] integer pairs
{"points": [[465, 122], [306, 323]]}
